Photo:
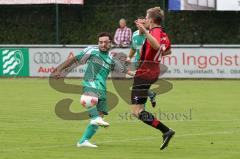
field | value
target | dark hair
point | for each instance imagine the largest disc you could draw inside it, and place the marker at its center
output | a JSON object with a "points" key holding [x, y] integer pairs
{"points": [[102, 34]]}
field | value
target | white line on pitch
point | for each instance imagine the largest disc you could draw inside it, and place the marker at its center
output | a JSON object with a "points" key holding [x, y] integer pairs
{"points": [[142, 139]]}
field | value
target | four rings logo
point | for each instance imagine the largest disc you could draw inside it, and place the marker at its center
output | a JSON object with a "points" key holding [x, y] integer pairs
{"points": [[47, 58]]}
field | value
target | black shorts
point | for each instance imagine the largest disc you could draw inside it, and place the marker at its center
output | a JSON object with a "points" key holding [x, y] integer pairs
{"points": [[140, 89]]}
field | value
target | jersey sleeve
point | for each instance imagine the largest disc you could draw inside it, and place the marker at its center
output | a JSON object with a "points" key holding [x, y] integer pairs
{"points": [[156, 33], [165, 42], [84, 54], [162, 39]]}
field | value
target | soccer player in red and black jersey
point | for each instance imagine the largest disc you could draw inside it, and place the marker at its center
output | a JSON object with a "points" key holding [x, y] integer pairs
{"points": [[156, 45]]}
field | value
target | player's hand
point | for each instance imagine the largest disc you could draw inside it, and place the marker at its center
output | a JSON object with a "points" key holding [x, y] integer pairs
{"points": [[131, 73], [141, 27], [128, 60], [57, 74], [166, 52]]}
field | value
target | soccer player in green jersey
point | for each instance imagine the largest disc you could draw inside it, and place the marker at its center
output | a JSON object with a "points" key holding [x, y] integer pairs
{"points": [[138, 39], [99, 65]]}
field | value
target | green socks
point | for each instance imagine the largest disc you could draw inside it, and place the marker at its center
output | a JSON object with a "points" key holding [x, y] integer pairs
{"points": [[91, 129], [93, 112], [89, 132]]}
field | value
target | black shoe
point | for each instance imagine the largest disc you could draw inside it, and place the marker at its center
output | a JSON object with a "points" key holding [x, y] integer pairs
{"points": [[166, 138], [152, 99]]}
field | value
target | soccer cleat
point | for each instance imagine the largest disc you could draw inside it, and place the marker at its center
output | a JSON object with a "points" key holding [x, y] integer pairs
{"points": [[99, 121], [86, 143], [152, 99], [166, 138]]}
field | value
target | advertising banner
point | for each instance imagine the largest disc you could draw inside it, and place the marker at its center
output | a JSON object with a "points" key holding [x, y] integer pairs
{"points": [[231, 5], [43, 61], [203, 63], [182, 63], [41, 1], [224, 5], [14, 62]]}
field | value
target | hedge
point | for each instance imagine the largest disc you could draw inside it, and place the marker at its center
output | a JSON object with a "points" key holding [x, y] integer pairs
{"points": [[35, 24]]}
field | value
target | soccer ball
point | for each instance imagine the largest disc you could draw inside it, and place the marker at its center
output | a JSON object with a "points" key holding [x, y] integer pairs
{"points": [[88, 101]]}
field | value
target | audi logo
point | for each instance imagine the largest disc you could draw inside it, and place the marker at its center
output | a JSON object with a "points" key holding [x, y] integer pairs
{"points": [[47, 58]]}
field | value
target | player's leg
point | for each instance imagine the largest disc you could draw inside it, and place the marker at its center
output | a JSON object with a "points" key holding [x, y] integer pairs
{"points": [[89, 100], [95, 95], [102, 109], [139, 97], [95, 122], [87, 135], [152, 96]]}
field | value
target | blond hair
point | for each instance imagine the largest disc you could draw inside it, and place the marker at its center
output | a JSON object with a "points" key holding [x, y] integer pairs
{"points": [[157, 14]]}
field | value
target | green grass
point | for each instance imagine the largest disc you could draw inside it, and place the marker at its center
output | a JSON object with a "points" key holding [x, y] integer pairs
{"points": [[29, 127]]}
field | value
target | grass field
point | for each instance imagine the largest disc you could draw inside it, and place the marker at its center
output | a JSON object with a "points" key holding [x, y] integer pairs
{"points": [[29, 127]]}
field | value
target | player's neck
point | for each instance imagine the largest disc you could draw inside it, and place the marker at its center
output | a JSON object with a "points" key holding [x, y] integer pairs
{"points": [[140, 32], [104, 52], [154, 26]]}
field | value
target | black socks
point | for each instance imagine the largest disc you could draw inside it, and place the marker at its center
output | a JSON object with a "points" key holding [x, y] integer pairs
{"points": [[149, 119]]}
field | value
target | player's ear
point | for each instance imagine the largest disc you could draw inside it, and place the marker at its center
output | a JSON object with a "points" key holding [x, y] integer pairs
{"points": [[152, 20]]}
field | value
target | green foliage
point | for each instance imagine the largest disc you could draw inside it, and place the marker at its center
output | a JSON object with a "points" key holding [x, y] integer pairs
{"points": [[35, 24]]}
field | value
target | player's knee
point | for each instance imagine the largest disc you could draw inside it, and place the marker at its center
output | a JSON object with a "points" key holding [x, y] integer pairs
{"points": [[136, 111], [88, 101], [136, 114], [101, 114]]}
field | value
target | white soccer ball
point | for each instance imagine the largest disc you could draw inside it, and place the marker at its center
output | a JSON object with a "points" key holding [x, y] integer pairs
{"points": [[88, 101]]}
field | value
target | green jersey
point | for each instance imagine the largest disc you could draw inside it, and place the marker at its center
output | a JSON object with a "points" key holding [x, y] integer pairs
{"points": [[137, 42], [98, 66]]}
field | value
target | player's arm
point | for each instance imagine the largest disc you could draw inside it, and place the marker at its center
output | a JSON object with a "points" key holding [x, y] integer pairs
{"points": [[79, 59], [152, 40], [122, 67], [59, 70], [131, 54], [67, 64], [167, 52]]}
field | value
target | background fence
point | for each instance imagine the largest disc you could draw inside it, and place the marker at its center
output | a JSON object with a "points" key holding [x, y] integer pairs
{"points": [[186, 61]]}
